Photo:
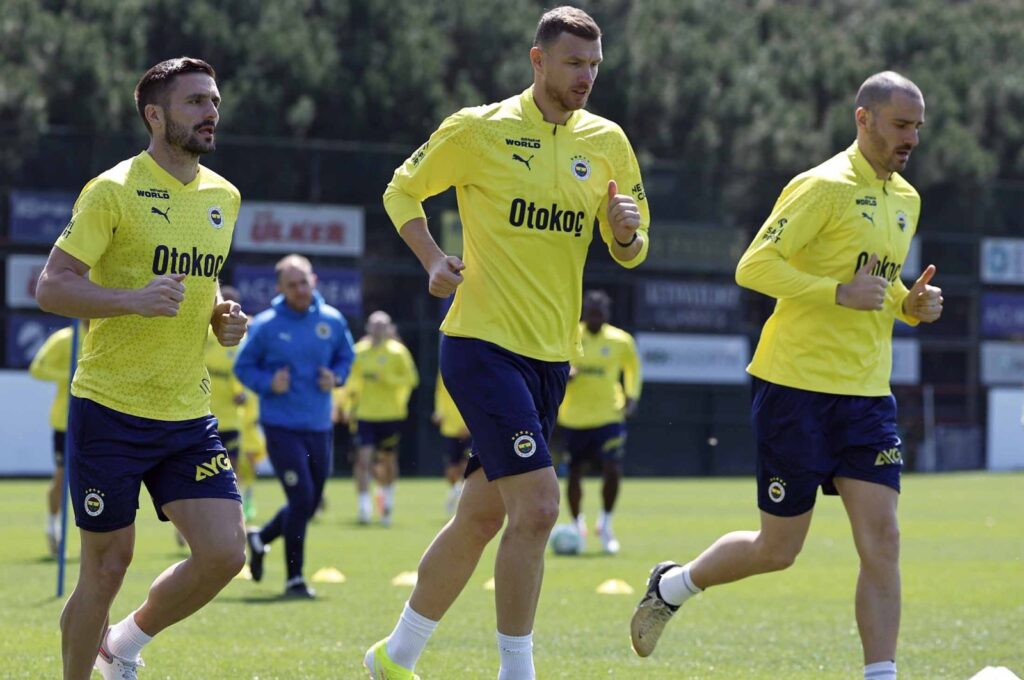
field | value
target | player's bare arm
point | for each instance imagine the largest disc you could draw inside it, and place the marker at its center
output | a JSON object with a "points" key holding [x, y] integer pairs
{"points": [[443, 270], [64, 288], [624, 218]]}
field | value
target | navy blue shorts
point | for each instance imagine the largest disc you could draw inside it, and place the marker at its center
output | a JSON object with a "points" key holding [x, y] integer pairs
{"points": [[509, 402], [58, 448], [113, 453], [807, 439], [593, 444], [231, 441], [457, 450], [383, 435]]}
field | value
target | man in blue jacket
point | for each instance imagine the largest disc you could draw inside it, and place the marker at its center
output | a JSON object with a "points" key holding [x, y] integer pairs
{"points": [[295, 354]]}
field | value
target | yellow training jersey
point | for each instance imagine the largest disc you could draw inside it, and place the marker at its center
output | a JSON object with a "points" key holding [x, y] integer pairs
{"points": [[595, 394], [528, 192], [224, 386], [53, 363], [825, 225], [130, 224], [251, 440], [382, 378], [451, 423]]}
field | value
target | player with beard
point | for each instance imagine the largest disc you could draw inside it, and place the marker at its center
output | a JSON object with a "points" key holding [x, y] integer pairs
{"points": [[140, 258], [823, 413], [532, 173]]}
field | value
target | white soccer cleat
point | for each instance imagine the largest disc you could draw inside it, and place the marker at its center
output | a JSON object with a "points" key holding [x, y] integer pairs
{"points": [[651, 615], [114, 667], [609, 542]]}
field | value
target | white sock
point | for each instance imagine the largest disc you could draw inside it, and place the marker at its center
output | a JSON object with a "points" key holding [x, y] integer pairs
{"points": [[389, 496], [365, 506], [257, 542], [883, 670], [604, 521], [407, 640], [53, 525], [676, 587], [126, 639], [516, 657]]}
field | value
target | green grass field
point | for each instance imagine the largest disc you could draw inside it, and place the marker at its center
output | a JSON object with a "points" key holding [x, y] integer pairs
{"points": [[963, 578]]}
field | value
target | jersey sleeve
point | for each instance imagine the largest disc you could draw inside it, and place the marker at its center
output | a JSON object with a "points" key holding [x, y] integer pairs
{"points": [[344, 354], [803, 209], [627, 177], [249, 362], [94, 218], [406, 374], [443, 162], [631, 373], [52, 362]]}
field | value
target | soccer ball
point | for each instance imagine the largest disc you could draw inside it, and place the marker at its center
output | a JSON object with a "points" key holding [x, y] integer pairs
{"points": [[565, 540]]}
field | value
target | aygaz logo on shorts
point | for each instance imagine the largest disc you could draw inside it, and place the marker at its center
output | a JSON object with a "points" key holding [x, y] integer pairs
{"points": [[524, 445], [93, 502], [776, 489]]}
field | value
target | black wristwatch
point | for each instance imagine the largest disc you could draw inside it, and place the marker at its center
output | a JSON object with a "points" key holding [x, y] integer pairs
{"points": [[627, 243]]}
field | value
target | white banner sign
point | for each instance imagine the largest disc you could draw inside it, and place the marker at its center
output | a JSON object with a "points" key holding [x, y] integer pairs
{"points": [[906, 361], [702, 359], [1002, 363], [22, 274], [299, 228], [1002, 260], [1005, 429], [25, 424]]}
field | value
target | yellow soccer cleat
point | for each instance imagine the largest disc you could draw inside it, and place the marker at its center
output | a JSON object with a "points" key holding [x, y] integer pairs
{"points": [[381, 666]]}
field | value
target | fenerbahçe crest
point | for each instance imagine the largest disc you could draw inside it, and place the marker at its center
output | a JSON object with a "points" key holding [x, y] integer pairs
{"points": [[524, 444]]}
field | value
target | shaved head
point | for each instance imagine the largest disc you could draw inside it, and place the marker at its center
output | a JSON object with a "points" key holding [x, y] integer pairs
{"points": [[878, 90]]}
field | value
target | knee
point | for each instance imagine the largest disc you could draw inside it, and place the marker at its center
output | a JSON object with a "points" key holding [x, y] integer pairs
{"points": [[483, 527], [537, 519], [776, 557], [883, 548], [222, 560], [110, 569]]}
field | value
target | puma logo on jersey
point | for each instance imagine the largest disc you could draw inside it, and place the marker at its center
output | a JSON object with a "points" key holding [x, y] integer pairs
{"points": [[214, 466], [162, 213], [524, 161], [870, 218]]}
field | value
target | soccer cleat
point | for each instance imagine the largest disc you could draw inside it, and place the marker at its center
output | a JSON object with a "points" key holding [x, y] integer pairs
{"points": [[114, 667], [297, 588], [53, 543], [381, 667], [651, 615], [385, 517], [257, 551]]}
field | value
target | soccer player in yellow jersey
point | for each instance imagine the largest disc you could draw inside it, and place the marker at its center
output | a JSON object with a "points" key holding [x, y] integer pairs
{"points": [[604, 387], [382, 378], [53, 363], [140, 259], [457, 442], [831, 254], [532, 174], [227, 394]]}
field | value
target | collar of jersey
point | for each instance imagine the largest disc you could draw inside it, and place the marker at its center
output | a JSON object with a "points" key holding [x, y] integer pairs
{"points": [[162, 174], [534, 115], [864, 170]]}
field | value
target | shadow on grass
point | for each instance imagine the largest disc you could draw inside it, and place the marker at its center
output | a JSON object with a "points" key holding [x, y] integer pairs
{"points": [[268, 599]]}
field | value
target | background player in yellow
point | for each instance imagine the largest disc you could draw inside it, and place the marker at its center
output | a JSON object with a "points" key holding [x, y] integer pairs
{"points": [[382, 379], [140, 258], [456, 441], [823, 413], [603, 389], [532, 174], [53, 363]]}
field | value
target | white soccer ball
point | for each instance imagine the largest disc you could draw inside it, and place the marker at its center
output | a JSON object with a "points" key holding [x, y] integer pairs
{"points": [[565, 540]]}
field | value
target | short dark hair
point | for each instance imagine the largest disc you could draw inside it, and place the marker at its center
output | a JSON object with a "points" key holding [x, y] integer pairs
{"points": [[155, 83], [879, 88], [565, 19]]}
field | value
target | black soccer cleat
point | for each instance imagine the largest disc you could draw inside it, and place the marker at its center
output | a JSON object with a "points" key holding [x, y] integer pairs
{"points": [[255, 556]]}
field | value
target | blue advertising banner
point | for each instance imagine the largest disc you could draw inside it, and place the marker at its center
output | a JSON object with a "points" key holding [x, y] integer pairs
{"points": [[39, 216], [26, 334], [342, 288], [1002, 315]]}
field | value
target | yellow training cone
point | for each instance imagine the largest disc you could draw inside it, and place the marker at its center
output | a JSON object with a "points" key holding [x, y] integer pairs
{"points": [[489, 585], [328, 575], [406, 578], [615, 586], [245, 574]]}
